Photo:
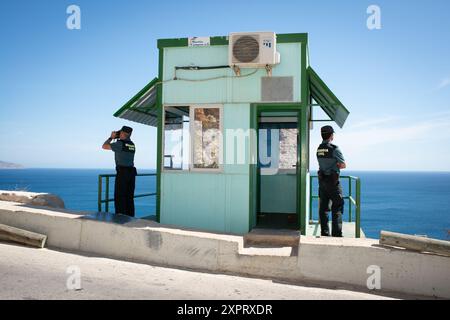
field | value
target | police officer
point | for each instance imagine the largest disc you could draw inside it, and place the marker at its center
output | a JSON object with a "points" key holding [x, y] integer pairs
{"points": [[124, 150], [330, 160]]}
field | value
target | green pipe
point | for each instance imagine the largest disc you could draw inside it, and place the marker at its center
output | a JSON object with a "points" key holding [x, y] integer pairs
{"points": [[352, 201], [349, 202], [106, 200], [358, 209], [99, 205], [311, 199], [145, 195], [107, 195]]}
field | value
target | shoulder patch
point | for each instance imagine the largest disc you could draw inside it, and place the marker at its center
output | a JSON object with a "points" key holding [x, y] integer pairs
{"points": [[128, 146], [325, 151]]}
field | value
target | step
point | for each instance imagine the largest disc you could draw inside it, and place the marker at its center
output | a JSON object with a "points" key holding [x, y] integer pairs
{"points": [[272, 238]]}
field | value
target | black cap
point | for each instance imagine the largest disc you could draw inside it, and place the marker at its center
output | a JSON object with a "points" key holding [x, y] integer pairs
{"points": [[126, 129], [327, 129]]}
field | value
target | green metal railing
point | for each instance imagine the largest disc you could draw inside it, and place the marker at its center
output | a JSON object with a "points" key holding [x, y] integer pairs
{"points": [[106, 200], [354, 200]]}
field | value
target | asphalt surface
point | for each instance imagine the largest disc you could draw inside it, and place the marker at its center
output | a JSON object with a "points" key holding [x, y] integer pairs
{"points": [[28, 273]]}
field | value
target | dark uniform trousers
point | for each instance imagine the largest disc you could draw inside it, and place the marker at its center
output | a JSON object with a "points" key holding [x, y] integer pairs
{"points": [[330, 189], [124, 190]]}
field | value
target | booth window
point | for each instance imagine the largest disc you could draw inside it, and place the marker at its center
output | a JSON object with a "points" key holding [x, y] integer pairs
{"points": [[206, 137], [176, 138], [192, 137], [279, 145], [288, 147]]}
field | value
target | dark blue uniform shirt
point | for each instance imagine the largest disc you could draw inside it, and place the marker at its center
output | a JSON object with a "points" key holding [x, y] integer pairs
{"points": [[124, 152], [328, 155]]}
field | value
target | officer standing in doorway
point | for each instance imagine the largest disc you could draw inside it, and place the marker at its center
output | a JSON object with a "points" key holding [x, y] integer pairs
{"points": [[124, 150], [330, 160]]}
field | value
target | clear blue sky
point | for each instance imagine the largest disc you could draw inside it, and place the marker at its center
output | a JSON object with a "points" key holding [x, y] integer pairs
{"points": [[60, 87]]}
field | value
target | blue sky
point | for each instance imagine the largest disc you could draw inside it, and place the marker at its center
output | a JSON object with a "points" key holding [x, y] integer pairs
{"points": [[60, 87]]}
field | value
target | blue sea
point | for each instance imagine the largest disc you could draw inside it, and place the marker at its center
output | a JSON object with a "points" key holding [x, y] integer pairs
{"points": [[407, 202]]}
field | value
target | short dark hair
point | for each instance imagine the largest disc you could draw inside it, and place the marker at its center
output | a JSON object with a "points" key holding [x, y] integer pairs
{"points": [[326, 135], [326, 132]]}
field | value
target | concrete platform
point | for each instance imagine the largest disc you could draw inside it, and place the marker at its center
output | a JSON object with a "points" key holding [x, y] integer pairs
{"points": [[330, 262], [348, 229], [266, 237], [272, 238]]}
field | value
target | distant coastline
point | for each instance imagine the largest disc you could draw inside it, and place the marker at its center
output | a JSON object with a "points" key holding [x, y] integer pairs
{"points": [[10, 165]]}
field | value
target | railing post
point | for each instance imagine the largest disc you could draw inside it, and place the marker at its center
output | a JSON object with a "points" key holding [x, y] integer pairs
{"points": [[310, 198], [100, 180], [350, 204], [358, 209], [107, 194]]}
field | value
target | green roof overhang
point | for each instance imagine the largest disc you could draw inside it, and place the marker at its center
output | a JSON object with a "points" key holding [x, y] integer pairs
{"points": [[142, 108], [223, 40], [326, 99]]}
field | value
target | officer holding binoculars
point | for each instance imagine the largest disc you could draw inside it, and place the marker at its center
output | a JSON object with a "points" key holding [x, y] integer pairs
{"points": [[124, 150]]}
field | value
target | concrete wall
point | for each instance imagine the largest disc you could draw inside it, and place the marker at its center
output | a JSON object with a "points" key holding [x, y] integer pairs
{"points": [[347, 260], [226, 90], [209, 200], [217, 202], [330, 261]]}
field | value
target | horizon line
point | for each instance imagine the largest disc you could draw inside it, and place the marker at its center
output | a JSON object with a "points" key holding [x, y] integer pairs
{"points": [[312, 170]]}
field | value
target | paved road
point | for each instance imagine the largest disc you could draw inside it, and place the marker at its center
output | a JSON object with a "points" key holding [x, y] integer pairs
{"points": [[27, 273]]}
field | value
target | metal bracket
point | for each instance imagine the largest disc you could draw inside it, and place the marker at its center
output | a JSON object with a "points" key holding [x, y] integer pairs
{"points": [[269, 70], [237, 70]]}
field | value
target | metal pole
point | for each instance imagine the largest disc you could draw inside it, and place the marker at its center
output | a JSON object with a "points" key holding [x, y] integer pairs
{"points": [[350, 204], [310, 198], [99, 193], [358, 209], [107, 194]]}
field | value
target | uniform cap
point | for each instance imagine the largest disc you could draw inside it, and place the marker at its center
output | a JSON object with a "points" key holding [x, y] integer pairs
{"points": [[327, 129], [126, 129]]}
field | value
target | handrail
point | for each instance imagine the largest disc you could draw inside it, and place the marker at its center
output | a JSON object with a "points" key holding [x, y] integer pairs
{"points": [[107, 199], [353, 201]]}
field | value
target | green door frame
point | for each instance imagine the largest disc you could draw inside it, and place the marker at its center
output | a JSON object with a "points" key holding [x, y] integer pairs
{"points": [[255, 111]]}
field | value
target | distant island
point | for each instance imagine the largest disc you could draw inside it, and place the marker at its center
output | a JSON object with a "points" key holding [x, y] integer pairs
{"points": [[9, 165]]}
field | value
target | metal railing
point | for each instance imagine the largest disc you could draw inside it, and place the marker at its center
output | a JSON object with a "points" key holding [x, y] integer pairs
{"points": [[106, 200], [354, 200]]}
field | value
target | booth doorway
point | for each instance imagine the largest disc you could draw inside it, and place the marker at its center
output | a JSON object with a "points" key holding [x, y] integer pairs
{"points": [[277, 169]]}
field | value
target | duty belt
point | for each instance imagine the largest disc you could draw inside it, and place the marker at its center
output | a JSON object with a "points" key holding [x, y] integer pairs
{"points": [[334, 176]]}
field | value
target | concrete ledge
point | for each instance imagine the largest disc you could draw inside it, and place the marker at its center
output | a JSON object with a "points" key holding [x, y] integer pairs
{"points": [[32, 198], [339, 261], [347, 260], [62, 229], [272, 237]]}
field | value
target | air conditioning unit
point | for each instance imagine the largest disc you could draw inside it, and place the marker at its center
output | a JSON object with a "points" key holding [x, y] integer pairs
{"points": [[252, 49]]}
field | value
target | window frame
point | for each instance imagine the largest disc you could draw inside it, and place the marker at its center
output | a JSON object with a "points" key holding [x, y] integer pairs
{"points": [[163, 168], [191, 133], [191, 167]]}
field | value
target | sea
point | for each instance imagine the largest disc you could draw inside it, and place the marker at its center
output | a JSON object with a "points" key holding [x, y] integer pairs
{"points": [[416, 203]]}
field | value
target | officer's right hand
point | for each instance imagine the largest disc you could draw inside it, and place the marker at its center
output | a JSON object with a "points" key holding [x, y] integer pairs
{"points": [[341, 165], [113, 135]]}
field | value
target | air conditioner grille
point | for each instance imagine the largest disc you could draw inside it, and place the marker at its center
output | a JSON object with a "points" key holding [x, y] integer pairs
{"points": [[246, 49]]}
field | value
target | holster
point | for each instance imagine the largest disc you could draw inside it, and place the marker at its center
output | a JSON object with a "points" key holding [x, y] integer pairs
{"points": [[335, 177]]}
